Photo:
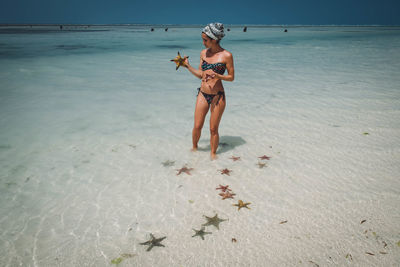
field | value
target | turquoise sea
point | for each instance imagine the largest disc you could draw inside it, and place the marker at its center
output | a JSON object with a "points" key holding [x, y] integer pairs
{"points": [[89, 114]]}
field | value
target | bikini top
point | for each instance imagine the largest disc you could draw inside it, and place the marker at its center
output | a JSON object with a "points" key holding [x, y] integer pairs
{"points": [[216, 67]]}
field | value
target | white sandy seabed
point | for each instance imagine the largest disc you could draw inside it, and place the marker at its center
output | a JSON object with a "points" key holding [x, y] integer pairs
{"points": [[88, 190]]}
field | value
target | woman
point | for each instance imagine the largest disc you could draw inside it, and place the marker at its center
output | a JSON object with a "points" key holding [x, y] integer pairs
{"points": [[211, 95]]}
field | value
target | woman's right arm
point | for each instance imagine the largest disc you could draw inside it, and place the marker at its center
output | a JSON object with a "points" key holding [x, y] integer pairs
{"points": [[196, 72]]}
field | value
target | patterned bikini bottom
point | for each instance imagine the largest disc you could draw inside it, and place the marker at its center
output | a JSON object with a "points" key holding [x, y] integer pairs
{"points": [[209, 97]]}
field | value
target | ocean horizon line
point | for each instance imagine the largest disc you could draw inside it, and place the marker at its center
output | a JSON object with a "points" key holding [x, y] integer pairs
{"points": [[190, 25]]}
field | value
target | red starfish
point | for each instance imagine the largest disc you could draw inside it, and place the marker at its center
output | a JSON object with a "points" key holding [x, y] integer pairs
{"points": [[234, 158], [225, 171], [227, 195], [264, 157], [223, 188], [185, 170]]}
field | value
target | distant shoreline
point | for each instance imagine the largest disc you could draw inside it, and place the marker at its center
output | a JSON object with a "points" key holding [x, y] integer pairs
{"points": [[181, 25]]}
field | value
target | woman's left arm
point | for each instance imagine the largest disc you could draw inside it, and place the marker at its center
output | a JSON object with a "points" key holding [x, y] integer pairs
{"points": [[230, 68]]}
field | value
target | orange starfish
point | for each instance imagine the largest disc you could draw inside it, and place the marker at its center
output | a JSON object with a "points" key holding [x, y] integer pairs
{"points": [[227, 195], [240, 205], [179, 61], [223, 188], [225, 171], [234, 158], [264, 157], [185, 170]]}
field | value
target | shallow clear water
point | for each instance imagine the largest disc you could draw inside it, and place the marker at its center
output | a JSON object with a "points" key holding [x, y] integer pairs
{"points": [[88, 116]]}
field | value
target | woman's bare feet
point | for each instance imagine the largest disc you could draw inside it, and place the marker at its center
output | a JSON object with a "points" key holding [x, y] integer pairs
{"points": [[213, 156], [194, 149]]}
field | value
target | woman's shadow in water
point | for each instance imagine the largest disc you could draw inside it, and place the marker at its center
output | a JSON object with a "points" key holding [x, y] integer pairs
{"points": [[226, 143]]}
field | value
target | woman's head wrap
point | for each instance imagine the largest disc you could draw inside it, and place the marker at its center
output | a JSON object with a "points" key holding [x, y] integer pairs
{"points": [[214, 31]]}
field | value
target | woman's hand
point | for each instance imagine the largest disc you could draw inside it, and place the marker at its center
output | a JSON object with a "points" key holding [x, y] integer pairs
{"points": [[186, 62], [217, 76]]}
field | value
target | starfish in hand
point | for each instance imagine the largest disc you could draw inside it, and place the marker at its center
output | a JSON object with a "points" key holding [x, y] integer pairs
{"points": [[223, 188], [225, 171], [208, 77], [264, 157], [180, 61], [153, 242], [226, 195], [234, 158], [213, 221], [242, 205], [185, 170], [200, 232]]}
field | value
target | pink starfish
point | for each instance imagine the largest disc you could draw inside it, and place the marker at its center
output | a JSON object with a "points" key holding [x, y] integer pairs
{"points": [[227, 195], [234, 158], [208, 77], [225, 171], [223, 188], [264, 157], [185, 170]]}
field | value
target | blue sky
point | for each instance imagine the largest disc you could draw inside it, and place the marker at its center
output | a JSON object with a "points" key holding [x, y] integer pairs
{"points": [[306, 12]]}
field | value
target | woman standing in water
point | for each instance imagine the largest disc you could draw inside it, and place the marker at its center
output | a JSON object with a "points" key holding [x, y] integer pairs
{"points": [[211, 95]]}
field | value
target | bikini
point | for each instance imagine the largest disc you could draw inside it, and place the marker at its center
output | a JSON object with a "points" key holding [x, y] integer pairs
{"points": [[217, 68]]}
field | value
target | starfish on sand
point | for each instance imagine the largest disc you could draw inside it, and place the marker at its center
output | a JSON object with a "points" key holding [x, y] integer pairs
{"points": [[264, 157], [241, 204], [261, 165], [234, 158], [179, 61], [153, 242], [223, 188], [168, 163], [185, 170], [225, 171], [213, 221], [200, 232], [227, 195]]}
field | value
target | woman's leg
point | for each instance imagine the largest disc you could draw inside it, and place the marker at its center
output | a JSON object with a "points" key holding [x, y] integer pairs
{"points": [[200, 113], [216, 115]]}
